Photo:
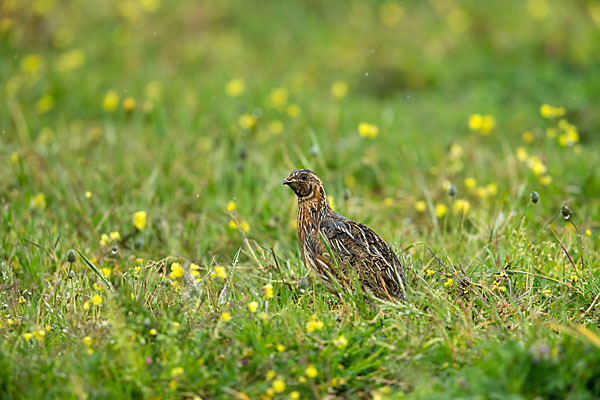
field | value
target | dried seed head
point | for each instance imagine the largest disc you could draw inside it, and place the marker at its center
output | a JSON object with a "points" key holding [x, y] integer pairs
{"points": [[535, 197], [71, 256], [451, 190], [138, 244], [566, 212], [303, 284]]}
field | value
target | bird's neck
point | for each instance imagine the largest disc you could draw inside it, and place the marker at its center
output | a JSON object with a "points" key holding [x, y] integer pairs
{"points": [[311, 209]]}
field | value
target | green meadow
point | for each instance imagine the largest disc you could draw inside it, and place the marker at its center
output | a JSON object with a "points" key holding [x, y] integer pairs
{"points": [[148, 249]]}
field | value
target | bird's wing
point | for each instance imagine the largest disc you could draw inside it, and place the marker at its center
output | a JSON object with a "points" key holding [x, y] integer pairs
{"points": [[356, 244]]}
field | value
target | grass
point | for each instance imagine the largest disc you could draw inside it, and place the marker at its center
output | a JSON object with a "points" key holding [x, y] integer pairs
{"points": [[195, 112]]}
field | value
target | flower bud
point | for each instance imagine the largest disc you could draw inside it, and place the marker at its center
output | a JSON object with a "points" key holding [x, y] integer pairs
{"points": [[71, 256], [535, 197], [303, 284], [566, 212], [451, 190]]}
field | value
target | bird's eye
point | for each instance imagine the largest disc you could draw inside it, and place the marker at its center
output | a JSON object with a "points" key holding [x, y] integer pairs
{"points": [[303, 177]]}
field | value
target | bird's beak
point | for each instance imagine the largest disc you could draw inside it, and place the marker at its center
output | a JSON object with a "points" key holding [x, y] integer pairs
{"points": [[286, 182]]}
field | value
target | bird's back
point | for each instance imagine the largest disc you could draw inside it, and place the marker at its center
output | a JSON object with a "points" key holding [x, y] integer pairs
{"points": [[358, 251]]}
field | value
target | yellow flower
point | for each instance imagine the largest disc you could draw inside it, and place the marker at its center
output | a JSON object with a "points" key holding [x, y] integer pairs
{"points": [[14, 157], [176, 271], [482, 192], [129, 104], [39, 334], [39, 201], [440, 210], [28, 336], [96, 299], [301, 379], [367, 130], [461, 206], [177, 371], [110, 101], [70, 61], [492, 189], [263, 316], [225, 316], [245, 227], [339, 89], [232, 225], [314, 325], [295, 395], [115, 235], [388, 202], [278, 97], [293, 110], [430, 272], [45, 104], [340, 342], [270, 374], [139, 220], [278, 385], [104, 239], [153, 332], [538, 167], [456, 151], [311, 371], [547, 111], [421, 206], [574, 279], [106, 272], [32, 64], [522, 154], [247, 121], [220, 272], [22, 300], [231, 206], [268, 291], [275, 127], [588, 232], [449, 282], [499, 288], [87, 341], [487, 125], [252, 306], [483, 124], [235, 87], [280, 348], [88, 194], [470, 183], [86, 306], [528, 137], [573, 136], [475, 121]]}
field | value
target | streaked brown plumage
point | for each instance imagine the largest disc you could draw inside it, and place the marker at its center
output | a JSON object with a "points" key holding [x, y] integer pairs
{"points": [[358, 250]]}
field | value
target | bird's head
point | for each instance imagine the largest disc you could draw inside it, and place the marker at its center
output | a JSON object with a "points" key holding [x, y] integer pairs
{"points": [[304, 183]]}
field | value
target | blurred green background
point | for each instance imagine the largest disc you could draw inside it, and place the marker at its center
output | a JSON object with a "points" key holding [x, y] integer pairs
{"points": [[179, 108]]}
